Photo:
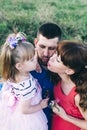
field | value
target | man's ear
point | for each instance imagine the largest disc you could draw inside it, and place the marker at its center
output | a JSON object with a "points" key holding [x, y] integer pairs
{"points": [[18, 66], [69, 71], [35, 41]]}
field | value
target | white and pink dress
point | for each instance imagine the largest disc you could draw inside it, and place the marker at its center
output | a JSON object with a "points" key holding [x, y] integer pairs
{"points": [[11, 117]]}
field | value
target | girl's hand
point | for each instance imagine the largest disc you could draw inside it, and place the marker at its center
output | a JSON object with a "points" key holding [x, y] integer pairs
{"points": [[44, 103]]}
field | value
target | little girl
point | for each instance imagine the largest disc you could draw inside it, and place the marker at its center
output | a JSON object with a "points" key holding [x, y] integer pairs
{"points": [[21, 103], [70, 93]]}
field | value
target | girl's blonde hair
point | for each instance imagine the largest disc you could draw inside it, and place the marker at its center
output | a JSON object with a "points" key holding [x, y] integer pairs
{"points": [[15, 49]]}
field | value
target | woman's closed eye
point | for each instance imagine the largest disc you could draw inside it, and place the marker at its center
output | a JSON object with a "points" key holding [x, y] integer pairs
{"points": [[58, 59]]}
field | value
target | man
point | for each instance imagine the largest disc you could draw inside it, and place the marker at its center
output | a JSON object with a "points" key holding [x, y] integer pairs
{"points": [[48, 36]]}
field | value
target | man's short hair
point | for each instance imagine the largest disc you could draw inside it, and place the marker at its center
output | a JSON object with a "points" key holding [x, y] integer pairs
{"points": [[49, 30]]}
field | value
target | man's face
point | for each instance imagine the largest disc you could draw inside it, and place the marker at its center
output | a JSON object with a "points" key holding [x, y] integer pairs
{"points": [[45, 48]]}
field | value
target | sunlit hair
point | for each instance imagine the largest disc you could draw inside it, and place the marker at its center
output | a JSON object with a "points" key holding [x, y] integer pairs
{"points": [[74, 55], [10, 56]]}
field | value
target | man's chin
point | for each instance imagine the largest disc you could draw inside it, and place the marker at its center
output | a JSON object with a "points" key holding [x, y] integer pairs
{"points": [[43, 62]]}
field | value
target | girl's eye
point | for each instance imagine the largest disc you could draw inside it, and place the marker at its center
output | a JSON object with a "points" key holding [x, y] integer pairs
{"points": [[32, 59]]}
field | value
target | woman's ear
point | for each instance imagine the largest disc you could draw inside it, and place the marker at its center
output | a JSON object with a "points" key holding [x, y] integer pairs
{"points": [[18, 66], [69, 71]]}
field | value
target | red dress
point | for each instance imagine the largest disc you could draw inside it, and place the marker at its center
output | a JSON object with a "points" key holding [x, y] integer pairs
{"points": [[67, 102]]}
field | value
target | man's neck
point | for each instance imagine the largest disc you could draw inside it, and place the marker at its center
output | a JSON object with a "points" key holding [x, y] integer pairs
{"points": [[45, 67], [42, 64]]}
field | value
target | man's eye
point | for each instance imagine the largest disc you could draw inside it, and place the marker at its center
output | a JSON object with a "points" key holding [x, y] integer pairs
{"points": [[52, 48], [49, 48], [41, 46]]}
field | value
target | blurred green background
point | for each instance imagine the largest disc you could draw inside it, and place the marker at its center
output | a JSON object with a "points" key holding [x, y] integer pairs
{"points": [[28, 15]]}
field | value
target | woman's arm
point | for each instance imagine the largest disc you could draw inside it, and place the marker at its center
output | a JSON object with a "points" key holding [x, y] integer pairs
{"points": [[78, 122]]}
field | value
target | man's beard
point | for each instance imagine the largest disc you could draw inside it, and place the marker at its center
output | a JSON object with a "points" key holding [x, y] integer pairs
{"points": [[42, 63]]}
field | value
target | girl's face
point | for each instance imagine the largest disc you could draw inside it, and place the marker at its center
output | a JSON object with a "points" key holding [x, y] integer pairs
{"points": [[56, 65], [28, 65]]}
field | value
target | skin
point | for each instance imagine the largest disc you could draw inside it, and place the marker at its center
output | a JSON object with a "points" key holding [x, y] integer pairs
{"points": [[45, 48]]}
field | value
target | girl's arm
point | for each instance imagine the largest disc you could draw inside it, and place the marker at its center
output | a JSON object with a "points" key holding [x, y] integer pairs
{"points": [[27, 108]]}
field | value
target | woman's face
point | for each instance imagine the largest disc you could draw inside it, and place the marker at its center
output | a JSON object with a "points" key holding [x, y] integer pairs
{"points": [[56, 65]]}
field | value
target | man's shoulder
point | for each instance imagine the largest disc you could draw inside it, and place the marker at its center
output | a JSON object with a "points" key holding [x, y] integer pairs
{"points": [[43, 70], [42, 75]]}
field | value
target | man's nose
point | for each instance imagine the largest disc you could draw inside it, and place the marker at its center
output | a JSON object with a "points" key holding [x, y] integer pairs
{"points": [[46, 52]]}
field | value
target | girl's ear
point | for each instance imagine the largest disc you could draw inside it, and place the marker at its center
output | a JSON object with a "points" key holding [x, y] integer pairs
{"points": [[18, 66], [69, 71]]}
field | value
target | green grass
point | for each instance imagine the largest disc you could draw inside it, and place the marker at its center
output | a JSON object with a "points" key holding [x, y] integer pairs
{"points": [[27, 15]]}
